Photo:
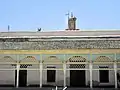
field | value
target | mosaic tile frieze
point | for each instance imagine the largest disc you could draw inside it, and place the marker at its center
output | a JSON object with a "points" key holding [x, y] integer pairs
{"points": [[61, 44]]}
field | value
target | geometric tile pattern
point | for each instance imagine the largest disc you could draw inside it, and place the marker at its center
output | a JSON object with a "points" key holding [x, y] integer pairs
{"points": [[50, 45], [77, 59], [77, 66], [7, 59], [25, 65], [52, 59], [22, 65], [29, 59], [103, 59]]}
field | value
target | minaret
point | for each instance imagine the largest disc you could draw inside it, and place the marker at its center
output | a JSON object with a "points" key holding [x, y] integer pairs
{"points": [[72, 23]]}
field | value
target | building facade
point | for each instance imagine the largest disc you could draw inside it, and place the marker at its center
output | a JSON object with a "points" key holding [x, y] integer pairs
{"points": [[61, 58]]}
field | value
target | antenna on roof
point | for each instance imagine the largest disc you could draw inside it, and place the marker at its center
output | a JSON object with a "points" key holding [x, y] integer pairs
{"points": [[8, 28], [67, 14]]}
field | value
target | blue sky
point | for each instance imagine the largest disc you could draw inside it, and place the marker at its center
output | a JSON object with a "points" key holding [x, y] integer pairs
{"points": [[28, 15]]}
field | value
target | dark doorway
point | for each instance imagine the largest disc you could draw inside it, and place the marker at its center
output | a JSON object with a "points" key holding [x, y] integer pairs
{"points": [[22, 78], [51, 74], [77, 78], [104, 76]]}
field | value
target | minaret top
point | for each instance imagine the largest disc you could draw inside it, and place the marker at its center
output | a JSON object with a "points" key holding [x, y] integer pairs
{"points": [[72, 22]]}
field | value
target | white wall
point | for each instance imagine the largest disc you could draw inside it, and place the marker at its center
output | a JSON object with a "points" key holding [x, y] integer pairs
{"points": [[60, 76], [33, 77], [8, 77], [111, 75]]}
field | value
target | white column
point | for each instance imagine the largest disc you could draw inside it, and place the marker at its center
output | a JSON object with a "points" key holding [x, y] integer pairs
{"points": [[90, 66], [115, 70], [41, 75], [64, 67], [17, 83]]}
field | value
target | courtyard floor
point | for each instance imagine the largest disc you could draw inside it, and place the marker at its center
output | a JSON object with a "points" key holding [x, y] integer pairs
{"points": [[31, 88]]}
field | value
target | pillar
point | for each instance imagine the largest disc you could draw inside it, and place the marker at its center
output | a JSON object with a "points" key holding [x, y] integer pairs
{"points": [[41, 69], [64, 67], [17, 83], [40, 75], [115, 70], [90, 66], [64, 70]]}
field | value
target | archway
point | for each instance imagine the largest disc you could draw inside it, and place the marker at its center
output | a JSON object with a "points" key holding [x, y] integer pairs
{"points": [[29, 68], [77, 71], [103, 71], [52, 71], [7, 68]]}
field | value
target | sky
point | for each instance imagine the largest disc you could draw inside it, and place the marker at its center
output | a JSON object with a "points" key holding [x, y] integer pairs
{"points": [[49, 15]]}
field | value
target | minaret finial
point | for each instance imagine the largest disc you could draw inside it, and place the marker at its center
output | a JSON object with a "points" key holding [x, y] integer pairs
{"points": [[71, 14]]}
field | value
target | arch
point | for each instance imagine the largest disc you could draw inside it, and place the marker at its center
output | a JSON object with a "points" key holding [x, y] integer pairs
{"points": [[7, 59], [52, 59], [77, 59], [28, 59], [103, 59]]}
